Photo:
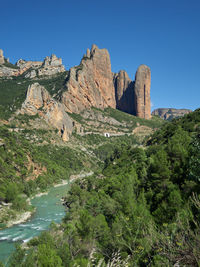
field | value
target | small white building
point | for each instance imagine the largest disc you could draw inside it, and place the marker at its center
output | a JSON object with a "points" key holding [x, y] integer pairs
{"points": [[106, 134]]}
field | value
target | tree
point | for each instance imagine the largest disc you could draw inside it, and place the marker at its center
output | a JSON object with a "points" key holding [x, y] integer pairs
{"points": [[47, 257]]}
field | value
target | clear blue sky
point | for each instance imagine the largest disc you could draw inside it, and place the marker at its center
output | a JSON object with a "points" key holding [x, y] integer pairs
{"points": [[164, 34]]}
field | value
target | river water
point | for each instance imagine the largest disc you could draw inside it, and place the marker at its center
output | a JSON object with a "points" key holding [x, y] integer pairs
{"points": [[48, 208]]}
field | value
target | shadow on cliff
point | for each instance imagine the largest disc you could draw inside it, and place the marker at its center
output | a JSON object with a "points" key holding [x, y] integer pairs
{"points": [[127, 102]]}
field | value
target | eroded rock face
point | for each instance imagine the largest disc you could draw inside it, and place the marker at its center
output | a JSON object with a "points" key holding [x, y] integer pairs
{"points": [[2, 61], [7, 72], [142, 92], [39, 101], [23, 64], [90, 83], [170, 113], [50, 66], [124, 92]]}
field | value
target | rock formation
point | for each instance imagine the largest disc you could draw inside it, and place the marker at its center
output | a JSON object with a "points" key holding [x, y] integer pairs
{"points": [[170, 113], [23, 64], [93, 84], [142, 92], [50, 66], [124, 92], [90, 83], [2, 61], [8, 72], [39, 101], [133, 97]]}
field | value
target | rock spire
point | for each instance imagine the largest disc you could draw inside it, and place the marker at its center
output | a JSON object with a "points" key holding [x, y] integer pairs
{"points": [[142, 92], [2, 60], [90, 83]]}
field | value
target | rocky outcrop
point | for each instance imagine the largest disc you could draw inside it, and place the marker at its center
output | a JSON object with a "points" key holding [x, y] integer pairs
{"points": [[142, 92], [93, 84], [2, 60], [8, 72], [23, 64], [133, 97], [50, 66], [39, 101], [170, 113], [90, 83], [124, 92]]}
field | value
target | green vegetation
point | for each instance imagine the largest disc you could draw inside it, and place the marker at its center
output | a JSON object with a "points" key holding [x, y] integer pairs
{"points": [[27, 167], [78, 68], [55, 84], [12, 95], [142, 209], [120, 116], [10, 65], [13, 91], [104, 147]]}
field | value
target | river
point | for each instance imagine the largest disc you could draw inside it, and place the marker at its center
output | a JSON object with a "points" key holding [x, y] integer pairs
{"points": [[48, 208]]}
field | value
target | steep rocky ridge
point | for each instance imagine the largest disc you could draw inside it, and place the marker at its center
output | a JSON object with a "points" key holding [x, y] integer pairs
{"points": [[39, 101], [170, 113], [90, 83], [50, 66]]}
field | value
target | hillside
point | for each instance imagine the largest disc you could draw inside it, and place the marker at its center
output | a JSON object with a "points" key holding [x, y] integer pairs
{"points": [[31, 150], [140, 206], [142, 209]]}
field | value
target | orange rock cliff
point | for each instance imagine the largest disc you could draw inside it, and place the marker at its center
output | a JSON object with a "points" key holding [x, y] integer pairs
{"points": [[92, 83]]}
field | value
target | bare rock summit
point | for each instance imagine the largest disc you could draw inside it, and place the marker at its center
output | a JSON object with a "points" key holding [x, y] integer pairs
{"points": [[90, 83], [31, 69]]}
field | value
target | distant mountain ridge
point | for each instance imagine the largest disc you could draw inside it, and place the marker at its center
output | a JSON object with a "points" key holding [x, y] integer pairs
{"points": [[170, 113]]}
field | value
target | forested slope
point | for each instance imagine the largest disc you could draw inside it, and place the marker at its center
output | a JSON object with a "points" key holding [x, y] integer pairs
{"points": [[142, 210]]}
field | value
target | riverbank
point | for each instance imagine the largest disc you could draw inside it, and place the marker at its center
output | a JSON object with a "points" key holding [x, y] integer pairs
{"points": [[10, 217], [48, 208], [22, 217]]}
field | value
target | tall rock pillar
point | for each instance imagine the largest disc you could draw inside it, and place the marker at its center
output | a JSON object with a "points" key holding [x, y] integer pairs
{"points": [[2, 61], [124, 92], [142, 92]]}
